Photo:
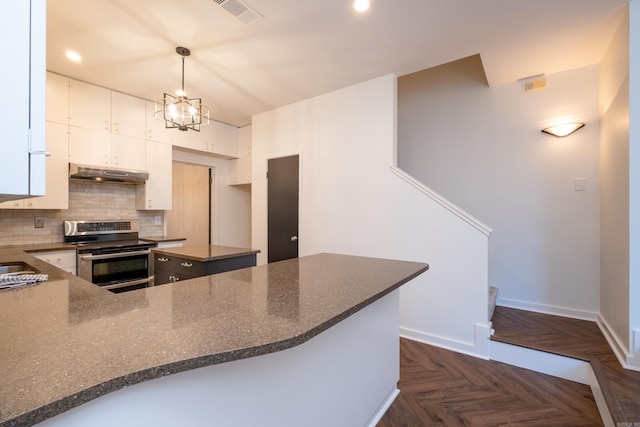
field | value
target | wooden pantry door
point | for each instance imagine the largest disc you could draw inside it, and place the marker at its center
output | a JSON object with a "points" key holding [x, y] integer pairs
{"points": [[190, 216]]}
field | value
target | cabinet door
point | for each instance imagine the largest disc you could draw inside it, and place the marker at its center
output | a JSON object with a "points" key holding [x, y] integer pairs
{"points": [[156, 193], [14, 114], [223, 139], [127, 115], [156, 131], [244, 141], [57, 98], [89, 106], [57, 190], [89, 147], [240, 171], [127, 153]]}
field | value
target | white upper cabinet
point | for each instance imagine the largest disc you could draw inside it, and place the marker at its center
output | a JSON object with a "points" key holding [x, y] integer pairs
{"points": [[240, 168], [127, 115], [106, 128], [222, 139], [57, 187], [57, 98], [89, 106], [156, 193], [89, 147], [156, 131], [57, 181], [127, 153], [23, 118], [218, 139]]}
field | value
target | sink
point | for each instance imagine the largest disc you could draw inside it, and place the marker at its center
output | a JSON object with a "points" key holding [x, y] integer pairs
{"points": [[17, 268]]}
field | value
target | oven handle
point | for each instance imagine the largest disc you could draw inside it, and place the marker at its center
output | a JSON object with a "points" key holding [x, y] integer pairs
{"points": [[118, 255], [130, 283]]}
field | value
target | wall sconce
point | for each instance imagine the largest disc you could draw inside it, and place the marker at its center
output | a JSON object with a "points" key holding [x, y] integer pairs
{"points": [[563, 129]]}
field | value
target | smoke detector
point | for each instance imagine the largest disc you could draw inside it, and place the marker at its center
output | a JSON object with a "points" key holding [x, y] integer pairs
{"points": [[242, 11]]}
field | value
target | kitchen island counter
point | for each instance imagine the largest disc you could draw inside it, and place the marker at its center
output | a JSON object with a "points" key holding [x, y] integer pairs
{"points": [[204, 252], [60, 349]]}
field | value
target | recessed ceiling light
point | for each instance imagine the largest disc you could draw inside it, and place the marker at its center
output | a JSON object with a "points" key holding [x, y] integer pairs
{"points": [[73, 56], [361, 5]]}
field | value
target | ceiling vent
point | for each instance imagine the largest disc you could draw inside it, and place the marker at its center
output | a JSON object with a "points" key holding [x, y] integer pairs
{"points": [[245, 13]]}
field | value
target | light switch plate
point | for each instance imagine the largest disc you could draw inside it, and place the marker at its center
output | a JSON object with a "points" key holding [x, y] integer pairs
{"points": [[581, 184]]}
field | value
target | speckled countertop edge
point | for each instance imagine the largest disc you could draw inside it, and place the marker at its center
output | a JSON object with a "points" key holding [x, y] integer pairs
{"points": [[68, 402], [192, 252]]}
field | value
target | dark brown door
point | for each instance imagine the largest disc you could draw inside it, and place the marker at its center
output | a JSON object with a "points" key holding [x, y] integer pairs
{"points": [[282, 208]]}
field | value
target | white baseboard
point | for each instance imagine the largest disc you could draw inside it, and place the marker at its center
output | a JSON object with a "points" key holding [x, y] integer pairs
{"points": [[480, 348], [555, 365], [548, 309], [633, 360], [379, 413], [628, 359], [540, 361]]}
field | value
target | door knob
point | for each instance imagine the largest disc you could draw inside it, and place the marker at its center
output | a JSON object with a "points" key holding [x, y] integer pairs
{"points": [[294, 238]]}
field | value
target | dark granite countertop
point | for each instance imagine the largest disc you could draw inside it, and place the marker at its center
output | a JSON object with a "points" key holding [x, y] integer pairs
{"points": [[205, 253], [65, 341]]}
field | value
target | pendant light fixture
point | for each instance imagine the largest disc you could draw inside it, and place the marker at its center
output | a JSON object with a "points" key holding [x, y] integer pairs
{"points": [[179, 111]]}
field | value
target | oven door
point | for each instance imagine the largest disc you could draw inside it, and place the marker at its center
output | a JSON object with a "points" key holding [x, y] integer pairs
{"points": [[117, 272]]}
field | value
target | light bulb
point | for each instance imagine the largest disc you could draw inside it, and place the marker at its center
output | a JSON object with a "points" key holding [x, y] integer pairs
{"points": [[361, 5]]}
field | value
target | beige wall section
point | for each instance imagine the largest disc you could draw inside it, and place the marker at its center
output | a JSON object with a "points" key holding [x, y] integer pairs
{"points": [[614, 173], [481, 147]]}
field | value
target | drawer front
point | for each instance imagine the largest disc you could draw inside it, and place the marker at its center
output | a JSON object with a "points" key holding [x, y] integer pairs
{"points": [[188, 267], [178, 265], [61, 259]]}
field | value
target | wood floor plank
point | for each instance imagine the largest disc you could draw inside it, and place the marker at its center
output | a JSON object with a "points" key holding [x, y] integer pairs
{"points": [[580, 339], [444, 388]]}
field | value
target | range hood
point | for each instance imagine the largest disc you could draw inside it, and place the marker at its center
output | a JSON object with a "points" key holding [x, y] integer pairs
{"points": [[107, 174]]}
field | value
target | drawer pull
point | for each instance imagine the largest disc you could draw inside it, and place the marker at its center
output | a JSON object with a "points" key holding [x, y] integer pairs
{"points": [[186, 264], [162, 259]]}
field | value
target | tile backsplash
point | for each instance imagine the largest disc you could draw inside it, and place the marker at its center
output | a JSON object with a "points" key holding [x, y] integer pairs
{"points": [[87, 201]]}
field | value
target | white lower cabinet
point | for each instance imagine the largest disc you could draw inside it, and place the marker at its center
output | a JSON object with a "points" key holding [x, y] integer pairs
{"points": [[64, 260], [156, 193]]}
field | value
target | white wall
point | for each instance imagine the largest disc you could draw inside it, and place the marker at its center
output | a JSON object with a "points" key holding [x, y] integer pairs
{"points": [[352, 203], [482, 148], [614, 170], [231, 222]]}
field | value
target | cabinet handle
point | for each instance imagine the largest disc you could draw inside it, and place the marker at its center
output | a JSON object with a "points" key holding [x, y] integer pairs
{"points": [[106, 125], [162, 259], [186, 264]]}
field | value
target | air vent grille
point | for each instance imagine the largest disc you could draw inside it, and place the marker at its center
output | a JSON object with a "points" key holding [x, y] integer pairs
{"points": [[242, 11]]}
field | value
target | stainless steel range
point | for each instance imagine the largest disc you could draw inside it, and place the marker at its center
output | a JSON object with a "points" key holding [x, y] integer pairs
{"points": [[110, 254]]}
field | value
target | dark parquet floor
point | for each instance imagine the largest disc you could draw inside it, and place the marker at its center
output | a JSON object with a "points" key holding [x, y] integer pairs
{"points": [[580, 339], [444, 388]]}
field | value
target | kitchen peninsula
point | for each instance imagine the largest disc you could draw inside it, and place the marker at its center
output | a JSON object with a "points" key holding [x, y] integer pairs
{"points": [[309, 341], [173, 264]]}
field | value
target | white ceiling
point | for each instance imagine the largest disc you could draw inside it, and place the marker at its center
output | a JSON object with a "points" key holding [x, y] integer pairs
{"points": [[303, 48]]}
